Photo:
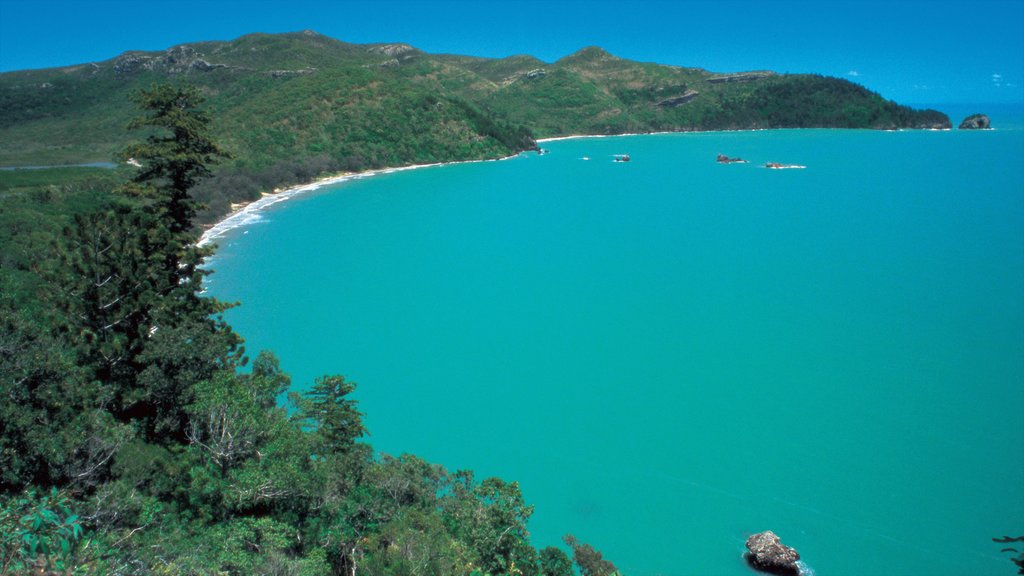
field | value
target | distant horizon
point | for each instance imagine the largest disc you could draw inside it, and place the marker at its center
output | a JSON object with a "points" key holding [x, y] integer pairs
{"points": [[908, 51]]}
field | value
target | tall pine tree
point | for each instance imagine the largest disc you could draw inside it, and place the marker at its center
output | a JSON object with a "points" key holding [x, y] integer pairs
{"points": [[177, 153], [130, 280], [185, 343]]}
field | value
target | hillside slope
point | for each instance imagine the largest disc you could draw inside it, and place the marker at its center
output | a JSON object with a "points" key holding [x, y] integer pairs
{"points": [[291, 106]]}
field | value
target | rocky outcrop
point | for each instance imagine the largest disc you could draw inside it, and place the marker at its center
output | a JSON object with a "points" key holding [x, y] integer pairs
{"points": [[180, 59], [177, 60], [397, 54], [286, 73], [744, 77], [678, 100], [392, 49], [768, 554], [130, 62], [976, 122]]}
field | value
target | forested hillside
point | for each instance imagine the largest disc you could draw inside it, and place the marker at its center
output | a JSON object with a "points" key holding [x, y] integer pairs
{"points": [[291, 107]]}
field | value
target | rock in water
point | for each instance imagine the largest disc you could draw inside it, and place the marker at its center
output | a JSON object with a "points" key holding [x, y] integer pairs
{"points": [[768, 554], [976, 122]]}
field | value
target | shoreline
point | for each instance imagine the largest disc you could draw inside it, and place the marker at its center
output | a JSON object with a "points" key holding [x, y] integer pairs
{"points": [[578, 136], [729, 131], [245, 213], [664, 132], [248, 212]]}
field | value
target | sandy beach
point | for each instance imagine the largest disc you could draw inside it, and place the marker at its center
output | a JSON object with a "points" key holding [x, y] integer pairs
{"points": [[249, 212], [577, 136]]}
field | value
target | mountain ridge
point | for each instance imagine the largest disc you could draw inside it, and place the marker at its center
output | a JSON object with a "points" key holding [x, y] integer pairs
{"points": [[292, 106]]}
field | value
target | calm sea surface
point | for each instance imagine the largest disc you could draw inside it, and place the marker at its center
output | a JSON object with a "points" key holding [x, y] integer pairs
{"points": [[671, 354]]}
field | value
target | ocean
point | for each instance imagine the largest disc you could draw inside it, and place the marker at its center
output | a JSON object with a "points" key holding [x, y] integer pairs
{"points": [[670, 354]]}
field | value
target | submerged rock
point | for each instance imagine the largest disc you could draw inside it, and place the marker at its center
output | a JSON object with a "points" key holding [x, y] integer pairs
{"points": [[976, 122], [769, 554]]}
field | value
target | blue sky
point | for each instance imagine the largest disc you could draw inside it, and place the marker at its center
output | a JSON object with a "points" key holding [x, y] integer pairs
{"points": [[941, 51]]}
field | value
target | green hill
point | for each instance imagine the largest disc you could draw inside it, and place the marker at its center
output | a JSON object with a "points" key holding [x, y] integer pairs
{"points": [[289, 107]]}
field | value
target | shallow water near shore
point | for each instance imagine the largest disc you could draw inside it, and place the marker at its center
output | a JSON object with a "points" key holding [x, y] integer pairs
{"points": [[671, 354]]}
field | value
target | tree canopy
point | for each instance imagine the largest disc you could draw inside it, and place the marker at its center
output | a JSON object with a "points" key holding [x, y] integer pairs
{"points": [[136, 436]]}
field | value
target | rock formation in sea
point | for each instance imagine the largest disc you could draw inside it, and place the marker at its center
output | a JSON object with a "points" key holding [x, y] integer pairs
{"points": [[768, 554], [976, 122]]}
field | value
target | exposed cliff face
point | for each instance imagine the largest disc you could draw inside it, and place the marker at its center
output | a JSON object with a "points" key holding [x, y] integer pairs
{"points": [[743, 77], [679, 100], [976, 122], [176, 60]]}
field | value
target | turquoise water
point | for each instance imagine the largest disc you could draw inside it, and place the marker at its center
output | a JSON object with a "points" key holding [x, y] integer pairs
{"points": [[671, 354]]}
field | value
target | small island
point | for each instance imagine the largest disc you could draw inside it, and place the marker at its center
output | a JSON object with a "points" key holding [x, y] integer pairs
{"points": [[976, 122], [767, 553]]}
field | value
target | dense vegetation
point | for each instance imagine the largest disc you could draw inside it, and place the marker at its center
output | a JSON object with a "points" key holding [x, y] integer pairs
{"points": [[137, 436], [291, 107]]}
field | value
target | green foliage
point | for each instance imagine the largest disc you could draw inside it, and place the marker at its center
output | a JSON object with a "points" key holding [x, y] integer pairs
{"points": [[588, 560], [329, 415], [415, 543], [47, 182], [103, 284], [52, 431], [393, 484], [252, 545], [34, 206], [134, 323], [38, 533], [555, 562], [227, 418], [491, 517], [247, 452], [181, 352], [811, 101], [33, 372], [176, 342], [177, 153]]}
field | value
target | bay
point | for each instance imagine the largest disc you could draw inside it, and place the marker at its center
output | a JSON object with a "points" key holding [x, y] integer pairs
{"points": [[670, 354]]}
